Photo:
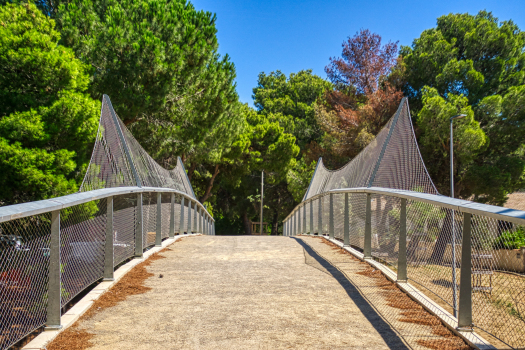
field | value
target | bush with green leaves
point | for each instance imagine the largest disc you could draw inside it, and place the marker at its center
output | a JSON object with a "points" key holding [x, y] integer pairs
{"points": [[510, 239]]}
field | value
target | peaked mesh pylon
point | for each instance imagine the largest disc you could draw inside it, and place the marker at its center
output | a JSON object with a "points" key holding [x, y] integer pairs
{"points": [[118, 160], [391, 160]]}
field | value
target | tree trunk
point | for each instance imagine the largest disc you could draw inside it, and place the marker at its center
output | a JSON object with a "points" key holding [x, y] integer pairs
{"points": [[445, 237], [207, 194], [247, 224], [275, 224], [191, 170]]}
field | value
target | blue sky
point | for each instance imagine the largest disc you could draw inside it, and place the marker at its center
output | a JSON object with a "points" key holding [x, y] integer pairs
{"points": [[264, 36]]}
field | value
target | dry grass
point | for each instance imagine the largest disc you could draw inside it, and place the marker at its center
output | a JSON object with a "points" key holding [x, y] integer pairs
{"points": [[76, 338]]}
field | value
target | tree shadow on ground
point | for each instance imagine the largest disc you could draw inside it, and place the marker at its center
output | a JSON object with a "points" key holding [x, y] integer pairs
{"points": [[385, 330]]}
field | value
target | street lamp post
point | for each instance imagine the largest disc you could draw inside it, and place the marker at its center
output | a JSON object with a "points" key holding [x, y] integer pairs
{"points": [[454, 284], [262, 199]]}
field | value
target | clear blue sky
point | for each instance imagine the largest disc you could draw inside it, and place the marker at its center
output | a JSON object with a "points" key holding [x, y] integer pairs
{"points": [[269, 35]]}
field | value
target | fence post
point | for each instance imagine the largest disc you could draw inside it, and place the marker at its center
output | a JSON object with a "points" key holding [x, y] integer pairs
{"points": [[108, 246], [189, 216], [331, 225], [181, 223], [172, 216], [158, 221], [320, 218], [346, 223], [53, 285], [311, 231], [140, 228], [304, 219], [368, 228], [195, 221], [402, 258], [465, 286]]}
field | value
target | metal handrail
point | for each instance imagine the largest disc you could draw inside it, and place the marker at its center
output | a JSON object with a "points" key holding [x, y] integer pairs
{"points": [[465, 206], [17, 211]]}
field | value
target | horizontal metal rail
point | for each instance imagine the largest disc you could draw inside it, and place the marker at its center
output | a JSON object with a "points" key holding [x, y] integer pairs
{"points": [[465, 206], [17, 211]]}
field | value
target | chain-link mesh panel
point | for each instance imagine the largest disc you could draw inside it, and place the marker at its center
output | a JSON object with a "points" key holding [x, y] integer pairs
{"points": [[498, 280], [24, 261], [124, 225], [357, 217], [315, 213], [110, 164], [391, 160], [385, 229], [339, 205], [82, 237], [166, 214], [149, 208]]}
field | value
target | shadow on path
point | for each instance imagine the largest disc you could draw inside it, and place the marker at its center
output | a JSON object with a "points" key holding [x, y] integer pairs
{"points": [[389, 335]]}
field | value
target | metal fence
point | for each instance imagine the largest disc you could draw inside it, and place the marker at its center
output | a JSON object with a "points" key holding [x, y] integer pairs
{"points": [[461, 255], [52, 250]]}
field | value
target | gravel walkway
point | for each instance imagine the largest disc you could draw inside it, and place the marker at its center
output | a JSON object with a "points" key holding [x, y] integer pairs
{"points": [[243, 292]]}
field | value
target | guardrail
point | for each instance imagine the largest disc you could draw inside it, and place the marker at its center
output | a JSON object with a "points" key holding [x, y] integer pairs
{"points": [[52, 250], [456, 252]]}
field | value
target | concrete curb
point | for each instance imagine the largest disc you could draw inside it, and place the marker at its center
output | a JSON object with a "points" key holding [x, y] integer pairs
{"points": [[472, 338], [70, 317]]}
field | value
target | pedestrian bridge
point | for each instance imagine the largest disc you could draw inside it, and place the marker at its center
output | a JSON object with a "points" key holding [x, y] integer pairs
{"points": [[373, 257]]}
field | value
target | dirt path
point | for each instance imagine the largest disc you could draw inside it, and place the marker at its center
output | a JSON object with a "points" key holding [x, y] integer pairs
{"points": [[243, 292]]}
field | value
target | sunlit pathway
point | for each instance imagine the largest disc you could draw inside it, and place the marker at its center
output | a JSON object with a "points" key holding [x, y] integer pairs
{"points": [[240, 293]]}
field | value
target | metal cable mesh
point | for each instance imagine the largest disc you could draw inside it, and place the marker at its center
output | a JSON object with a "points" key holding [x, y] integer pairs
{"points": [[166, 212], [391, 160], [357, 214], [124, 226], [315, 212], [385, 229], [149, 208], [24, 261], [339, 205], [110, 166], [82, 237]]}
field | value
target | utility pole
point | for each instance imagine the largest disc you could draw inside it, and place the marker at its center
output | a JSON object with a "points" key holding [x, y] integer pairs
{"points": [[262, 199]]}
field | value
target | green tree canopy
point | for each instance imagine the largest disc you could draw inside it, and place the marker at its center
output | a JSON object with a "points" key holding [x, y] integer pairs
{"points": [[482, 60], [48, 124]]}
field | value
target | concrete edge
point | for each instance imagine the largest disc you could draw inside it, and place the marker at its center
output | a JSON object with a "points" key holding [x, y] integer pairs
{"points": [[73, 314], [472, 338]]}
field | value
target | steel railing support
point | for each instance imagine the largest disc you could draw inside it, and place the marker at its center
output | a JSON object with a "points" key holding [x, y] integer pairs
{"points": [[402, 257], [311, 230], [139, 232], [181, 219], [346, 225], [158, 221], [465, 282], [320, 216], [331, 225], [172, 216], [53, 285], [195, 221], [304, 220], [189, 217], [108, 246], [367, 249]]}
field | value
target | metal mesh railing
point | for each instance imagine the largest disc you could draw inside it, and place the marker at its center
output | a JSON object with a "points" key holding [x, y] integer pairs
{"points": [[425, 242], [433, 253], [52, 250]]}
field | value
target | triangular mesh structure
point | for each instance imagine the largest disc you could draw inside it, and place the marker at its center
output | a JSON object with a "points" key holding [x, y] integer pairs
{"points": [[391, 160], [118, 160]]}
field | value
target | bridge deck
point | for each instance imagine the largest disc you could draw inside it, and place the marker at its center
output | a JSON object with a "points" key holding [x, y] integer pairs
{"points": [[242, 292]]}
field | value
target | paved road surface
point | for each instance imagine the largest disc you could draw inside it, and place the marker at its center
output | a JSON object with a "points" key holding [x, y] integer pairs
{"points": [[244, 292]]}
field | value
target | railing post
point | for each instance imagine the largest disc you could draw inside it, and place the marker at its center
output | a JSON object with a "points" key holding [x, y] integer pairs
{"points": [[346, 222], [311, 231], [368, 228], [465, 282], [172, 216], [189, 216], [331, 228], [402, 257], [320, 218], [140, 228], [158, 221], [108, 246], [54, 279], [195, 221], [181, 219], [304, 219]]}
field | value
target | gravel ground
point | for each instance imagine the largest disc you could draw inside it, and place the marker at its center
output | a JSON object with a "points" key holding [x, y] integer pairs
{"points": [[245, 292]]}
